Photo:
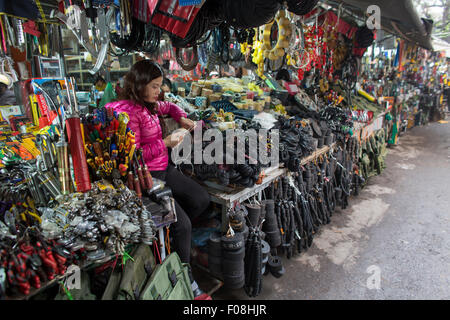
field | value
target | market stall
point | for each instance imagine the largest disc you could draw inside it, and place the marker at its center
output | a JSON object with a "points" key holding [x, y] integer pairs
{"points": [[321, 93]]}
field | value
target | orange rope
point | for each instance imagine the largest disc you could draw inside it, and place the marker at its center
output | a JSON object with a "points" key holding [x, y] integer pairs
{"points": [[168, 241]]}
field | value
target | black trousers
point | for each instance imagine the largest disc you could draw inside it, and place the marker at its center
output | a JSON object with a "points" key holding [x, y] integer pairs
{"points": [[191, 200]]}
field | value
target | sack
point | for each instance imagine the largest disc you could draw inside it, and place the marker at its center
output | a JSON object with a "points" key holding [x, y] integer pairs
{"points": [[136, 273], [112, 287], [170, 281]]}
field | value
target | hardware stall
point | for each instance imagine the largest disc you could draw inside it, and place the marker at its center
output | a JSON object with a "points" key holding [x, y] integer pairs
{"points": [[76, 191]]}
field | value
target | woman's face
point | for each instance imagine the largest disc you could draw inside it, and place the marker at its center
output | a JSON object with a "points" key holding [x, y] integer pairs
{"points": [[152, 90]]}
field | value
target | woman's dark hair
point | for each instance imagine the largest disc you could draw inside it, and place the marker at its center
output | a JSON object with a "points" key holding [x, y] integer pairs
{"points": [[168, 83], [283, 74], [135, 81]]}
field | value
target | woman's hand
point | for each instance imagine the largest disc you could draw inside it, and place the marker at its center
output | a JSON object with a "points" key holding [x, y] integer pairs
{"points": [[171, 141], [187, 124]]}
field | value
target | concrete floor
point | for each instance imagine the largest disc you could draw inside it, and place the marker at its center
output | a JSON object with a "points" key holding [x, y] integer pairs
{"points": [[399, 225]]}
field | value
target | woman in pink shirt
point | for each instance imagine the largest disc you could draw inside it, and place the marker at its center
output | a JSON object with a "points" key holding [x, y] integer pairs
{"points": [[139, 99]]}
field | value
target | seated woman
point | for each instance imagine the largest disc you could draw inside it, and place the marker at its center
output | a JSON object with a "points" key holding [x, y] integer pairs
{"points": [[139, 99]]}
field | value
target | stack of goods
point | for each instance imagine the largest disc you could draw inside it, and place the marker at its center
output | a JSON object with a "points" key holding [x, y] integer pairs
{"points": [[231, 90], [226, 252], [372, 154], [50, 213], [28, 260], [307, 198], [234, 249], [245, 174], [102, 221], [295, 142], [339, 121]]}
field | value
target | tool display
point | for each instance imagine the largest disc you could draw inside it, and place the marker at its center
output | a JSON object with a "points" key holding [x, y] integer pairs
{"points": [[111, 150]]}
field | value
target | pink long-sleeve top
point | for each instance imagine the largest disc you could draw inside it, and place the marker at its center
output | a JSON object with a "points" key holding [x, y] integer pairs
{"points": [[148, 130]]}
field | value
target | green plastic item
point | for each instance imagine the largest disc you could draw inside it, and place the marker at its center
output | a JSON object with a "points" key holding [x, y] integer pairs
{"points": [[393, 139], [109, 95]]}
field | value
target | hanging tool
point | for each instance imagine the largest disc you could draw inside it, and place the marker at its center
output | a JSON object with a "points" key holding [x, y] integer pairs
{"points": [[91, 13], [73, 123], [44, 162], [137, 182], [146, 172], [139, 173], [77, 22], [103, 27]]}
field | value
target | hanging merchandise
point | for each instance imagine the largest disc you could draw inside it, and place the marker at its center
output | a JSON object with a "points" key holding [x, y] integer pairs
{"points": [[296, 55], [301, 7], [170, 16], [245, 14], [308, 58], [207, 19], [258, 58], [132, 41], [76, 20], [364, 38], [349, 74], [180, 56], [20, 8], [7, 70], [284, 31]]}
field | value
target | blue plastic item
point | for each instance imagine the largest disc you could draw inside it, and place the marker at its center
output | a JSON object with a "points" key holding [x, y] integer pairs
{"points": [[183, 3], [227, 106]]}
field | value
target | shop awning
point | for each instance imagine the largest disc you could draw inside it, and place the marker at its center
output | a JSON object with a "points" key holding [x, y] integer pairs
{"points": [[28, 9], [398, 17]]}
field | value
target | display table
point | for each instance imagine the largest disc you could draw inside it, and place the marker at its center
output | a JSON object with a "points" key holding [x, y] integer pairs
{"points": [[226, 197]]}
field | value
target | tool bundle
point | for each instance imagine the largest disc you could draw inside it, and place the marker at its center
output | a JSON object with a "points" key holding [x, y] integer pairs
{"points": [[295, 142], [15, 149], [29, 261], [52, 165], [245, 174], [103, 221], [306, 199], [371, 155], [111, 150]]}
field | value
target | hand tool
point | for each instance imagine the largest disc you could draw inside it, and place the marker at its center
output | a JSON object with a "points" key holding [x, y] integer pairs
{"points": [[147, 176], [63, 166], [81, 172], [140, 175], [137, 183]]}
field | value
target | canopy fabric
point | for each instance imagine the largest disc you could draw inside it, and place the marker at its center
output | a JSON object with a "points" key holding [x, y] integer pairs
{"points": [[20, 8], [398, 17]]}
